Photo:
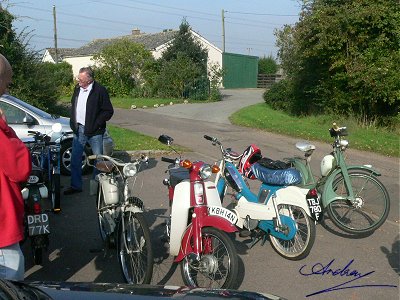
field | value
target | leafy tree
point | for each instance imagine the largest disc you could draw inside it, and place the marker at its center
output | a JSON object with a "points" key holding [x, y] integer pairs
{"points": [[267, 65], [176, 76], [121, 66], [187, 60], [342, 57], [185, 44], [31, 82]]}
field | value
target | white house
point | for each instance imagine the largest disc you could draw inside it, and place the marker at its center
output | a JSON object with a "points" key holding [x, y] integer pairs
{"points": [[157, 43]]}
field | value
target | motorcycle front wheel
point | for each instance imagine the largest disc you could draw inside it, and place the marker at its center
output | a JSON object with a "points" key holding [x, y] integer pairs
{"points": [[100, 214], [300, 245], [218, 263], [370, 208], [134, 248]]}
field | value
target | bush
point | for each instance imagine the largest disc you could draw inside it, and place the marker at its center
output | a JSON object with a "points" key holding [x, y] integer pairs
{"points": [[267, 65], [280, 96]]}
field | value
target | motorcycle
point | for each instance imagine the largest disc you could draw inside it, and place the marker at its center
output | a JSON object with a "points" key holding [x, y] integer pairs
{"points": [[281, 211], [355, 200], [198, 224], [36, 194], [120, 216]]}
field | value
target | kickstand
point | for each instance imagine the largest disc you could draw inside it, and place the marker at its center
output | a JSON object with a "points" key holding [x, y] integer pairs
{"points": [[255, 239]]}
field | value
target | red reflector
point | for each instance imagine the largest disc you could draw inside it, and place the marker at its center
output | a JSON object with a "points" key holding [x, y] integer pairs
{"points": [[313, 193], [36, 208]]}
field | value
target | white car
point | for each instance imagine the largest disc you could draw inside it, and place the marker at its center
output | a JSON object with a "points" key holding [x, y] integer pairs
{"points": [[23, 117]]}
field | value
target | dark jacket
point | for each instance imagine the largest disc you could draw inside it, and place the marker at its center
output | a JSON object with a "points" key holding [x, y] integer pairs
{"points": [[98, 110]]}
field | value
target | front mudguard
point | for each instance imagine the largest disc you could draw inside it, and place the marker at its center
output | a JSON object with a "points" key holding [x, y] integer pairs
{"points": [[329, 195], [206, 221]]}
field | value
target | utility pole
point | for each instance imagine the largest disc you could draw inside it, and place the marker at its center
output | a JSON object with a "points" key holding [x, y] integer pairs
{"points": [[223, 31], [55, 33]]}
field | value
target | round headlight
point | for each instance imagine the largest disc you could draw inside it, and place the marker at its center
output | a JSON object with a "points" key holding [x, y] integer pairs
{"points": [[205, 171], [129, 170]]}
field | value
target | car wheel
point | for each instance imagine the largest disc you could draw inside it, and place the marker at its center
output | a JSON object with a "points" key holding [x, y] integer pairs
{"points": [[66, 155]]}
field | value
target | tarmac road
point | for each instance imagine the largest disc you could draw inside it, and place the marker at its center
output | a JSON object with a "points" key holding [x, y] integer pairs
{"points": [[76, 251]]}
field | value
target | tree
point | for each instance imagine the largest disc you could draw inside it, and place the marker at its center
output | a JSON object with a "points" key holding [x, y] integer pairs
{"points": [[30, 80], [176, 76], [343, 57], [185, 44], [183, 71], [121, 66], [267, 65]]}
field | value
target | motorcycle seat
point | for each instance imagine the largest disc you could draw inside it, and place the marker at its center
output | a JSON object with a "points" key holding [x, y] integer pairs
{"points": [[282, 177], [105, 166], [305, 146]]}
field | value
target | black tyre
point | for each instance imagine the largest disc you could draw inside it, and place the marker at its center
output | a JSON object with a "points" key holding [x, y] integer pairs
{"points": [[66, 155], [134, 248], [369, 211], [37, 256], [55, 193], [300, 245], [218, 264], [100, 213]]}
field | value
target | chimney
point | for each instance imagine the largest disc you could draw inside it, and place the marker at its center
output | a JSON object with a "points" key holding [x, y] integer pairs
{"points": [[136, 31]]}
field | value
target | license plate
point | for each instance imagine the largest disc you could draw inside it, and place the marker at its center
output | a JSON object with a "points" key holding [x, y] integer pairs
{"points": [[315, 208], [223, 213], [38, 224]]}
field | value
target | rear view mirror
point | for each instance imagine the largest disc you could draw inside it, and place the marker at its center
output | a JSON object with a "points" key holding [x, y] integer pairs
{"points": [[165, 139]]}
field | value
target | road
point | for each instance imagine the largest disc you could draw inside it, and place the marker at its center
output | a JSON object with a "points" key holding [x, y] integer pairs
{"points": [[76, 252]]}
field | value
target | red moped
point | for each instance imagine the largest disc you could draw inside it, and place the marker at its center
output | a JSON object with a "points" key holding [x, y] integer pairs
{"points": [[199, 224]]}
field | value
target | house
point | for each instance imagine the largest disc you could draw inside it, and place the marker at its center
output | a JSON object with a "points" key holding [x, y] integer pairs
{"points": [[157, 43]]}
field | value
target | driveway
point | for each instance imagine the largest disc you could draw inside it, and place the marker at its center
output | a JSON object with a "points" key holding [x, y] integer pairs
{"points": [[218, 112]]}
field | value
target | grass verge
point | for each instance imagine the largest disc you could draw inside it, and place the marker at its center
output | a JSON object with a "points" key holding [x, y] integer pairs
{"points": [[316, 128]]}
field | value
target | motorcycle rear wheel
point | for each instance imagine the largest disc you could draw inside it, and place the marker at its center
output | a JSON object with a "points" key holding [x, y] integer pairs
{"points": [[134, 248], [37, 256], [55, 193], [218, 264], [370, 210], [300, 245]]}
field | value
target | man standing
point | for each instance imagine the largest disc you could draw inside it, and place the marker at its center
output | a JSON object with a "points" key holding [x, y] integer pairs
{"points": [[15, 167], [90, 109]]}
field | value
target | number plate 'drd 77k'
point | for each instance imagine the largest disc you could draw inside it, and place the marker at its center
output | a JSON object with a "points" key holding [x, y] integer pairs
{"points": [[38, 224]]}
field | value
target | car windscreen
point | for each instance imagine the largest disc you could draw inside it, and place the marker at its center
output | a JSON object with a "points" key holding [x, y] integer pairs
{"points": [[29, 107]]}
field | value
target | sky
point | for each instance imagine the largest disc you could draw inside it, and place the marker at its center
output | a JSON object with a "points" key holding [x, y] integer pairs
{"points": [[249, 25]]}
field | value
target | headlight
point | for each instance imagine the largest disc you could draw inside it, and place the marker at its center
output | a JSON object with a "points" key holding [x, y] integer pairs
{"points": [[205, 171], [129, 170]]}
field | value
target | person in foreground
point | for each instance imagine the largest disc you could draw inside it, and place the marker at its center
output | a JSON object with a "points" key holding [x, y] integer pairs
{"points": [[15, 167], [91, 108]]}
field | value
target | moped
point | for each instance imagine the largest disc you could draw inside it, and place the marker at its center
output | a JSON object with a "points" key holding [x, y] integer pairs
{"points": [[120, 215], [355, 200], [36, 195], [279, 210], [198, 224]]}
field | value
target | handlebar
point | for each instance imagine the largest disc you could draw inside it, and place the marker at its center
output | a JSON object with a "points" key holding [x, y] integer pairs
{"points": [[169, 160]]}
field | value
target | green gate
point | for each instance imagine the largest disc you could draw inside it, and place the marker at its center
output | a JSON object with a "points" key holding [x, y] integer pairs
{"points": [[240, 70]]}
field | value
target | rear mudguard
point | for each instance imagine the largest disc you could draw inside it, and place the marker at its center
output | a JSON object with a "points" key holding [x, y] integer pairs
{"points": [[188, 245], [329, 194]]}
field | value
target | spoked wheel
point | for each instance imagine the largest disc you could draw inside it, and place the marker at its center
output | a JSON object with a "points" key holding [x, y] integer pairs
{"points": [[100, 213], [300, 245], [55, 192], [134, 248], [218, 264], [370, 209]]}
